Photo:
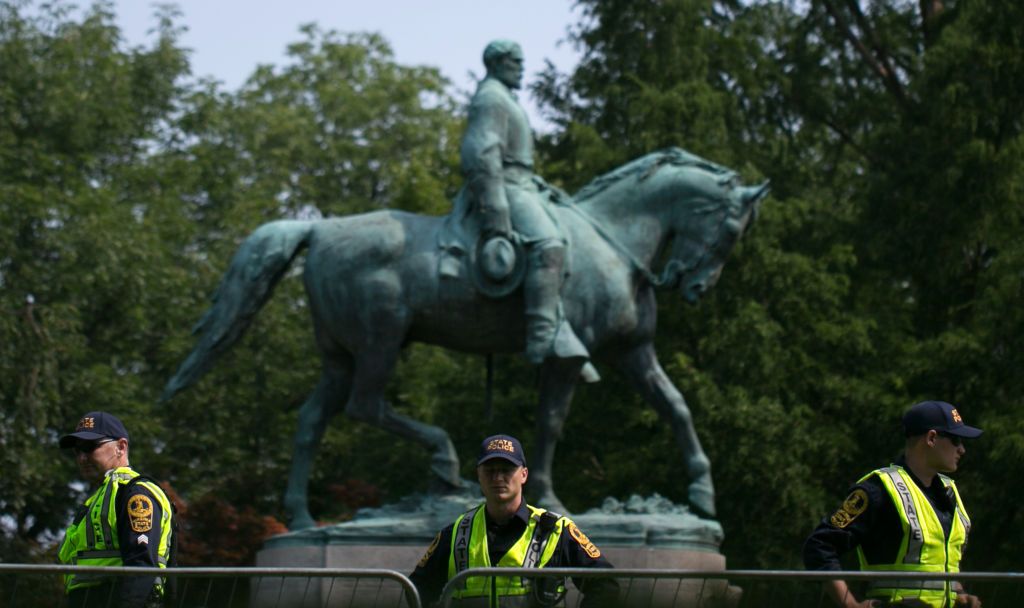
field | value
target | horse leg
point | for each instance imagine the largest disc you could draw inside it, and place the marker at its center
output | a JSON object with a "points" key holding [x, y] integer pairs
{"points": [[316, 412], [642, 367], [557, 384], [367, 404]]}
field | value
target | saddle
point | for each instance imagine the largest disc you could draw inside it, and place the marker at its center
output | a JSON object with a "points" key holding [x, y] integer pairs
{"points": [[496, 267]]}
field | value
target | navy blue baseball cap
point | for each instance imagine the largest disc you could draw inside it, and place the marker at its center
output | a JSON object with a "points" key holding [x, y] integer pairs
{"points": [[501, 446], [93, 427], [939, 416]]}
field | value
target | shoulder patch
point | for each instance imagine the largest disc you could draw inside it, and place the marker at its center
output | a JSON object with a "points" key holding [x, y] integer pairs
{"points": [[430, 551], [855, 504], [583, 541], [140, 513]]}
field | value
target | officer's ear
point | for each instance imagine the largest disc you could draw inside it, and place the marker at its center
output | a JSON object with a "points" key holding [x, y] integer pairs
{"points": [[931, 437]]}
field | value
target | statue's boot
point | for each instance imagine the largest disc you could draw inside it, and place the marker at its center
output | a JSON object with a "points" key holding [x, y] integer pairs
{"points": [[548, 334]]}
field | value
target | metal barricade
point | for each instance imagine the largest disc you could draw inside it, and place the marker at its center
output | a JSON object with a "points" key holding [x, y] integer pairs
{"points": [[643, 588], [41, 586]]}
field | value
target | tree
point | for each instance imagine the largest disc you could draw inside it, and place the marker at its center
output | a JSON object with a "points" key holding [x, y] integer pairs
{"points": [[923, 97], [79, 252], [125, 187], [859, 289], [341, 129]]}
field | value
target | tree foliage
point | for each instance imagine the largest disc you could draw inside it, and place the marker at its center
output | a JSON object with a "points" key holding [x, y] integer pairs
{"points": [[82, 260], [891, 132], [125, 187]]}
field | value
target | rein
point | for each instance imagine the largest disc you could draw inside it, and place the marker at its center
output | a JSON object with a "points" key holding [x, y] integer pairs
{"points": [[672, 268], [620, 248]]}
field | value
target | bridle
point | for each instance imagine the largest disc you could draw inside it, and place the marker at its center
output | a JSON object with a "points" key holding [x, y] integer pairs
{"points": [[673, 268]]}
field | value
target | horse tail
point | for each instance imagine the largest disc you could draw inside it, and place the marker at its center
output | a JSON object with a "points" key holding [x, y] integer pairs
{"points": [[258, 265]]}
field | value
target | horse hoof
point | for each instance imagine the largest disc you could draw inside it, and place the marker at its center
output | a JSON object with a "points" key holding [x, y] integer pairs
{"points": [[445, 468], [702, 501], [302, 521]]}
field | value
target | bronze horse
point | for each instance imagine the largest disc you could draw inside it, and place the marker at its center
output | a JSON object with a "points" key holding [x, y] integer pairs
{"points": [[373, 284]]}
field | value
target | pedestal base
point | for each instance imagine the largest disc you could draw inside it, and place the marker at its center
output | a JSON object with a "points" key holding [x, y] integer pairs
{"points": [[641, 533]]}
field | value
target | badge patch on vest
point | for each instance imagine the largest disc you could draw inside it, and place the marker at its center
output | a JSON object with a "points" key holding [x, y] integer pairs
{"points": [[140, 513], [584, 542], [855, 504], [430, 551]]}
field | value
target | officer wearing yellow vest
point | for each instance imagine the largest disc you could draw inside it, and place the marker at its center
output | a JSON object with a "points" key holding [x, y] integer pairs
{"points": [[507, 532], [907, 517], [125, 522]]}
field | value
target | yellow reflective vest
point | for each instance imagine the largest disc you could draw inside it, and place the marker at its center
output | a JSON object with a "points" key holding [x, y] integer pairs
{"points": [[925, 547], [92, 540], [469, 550]]}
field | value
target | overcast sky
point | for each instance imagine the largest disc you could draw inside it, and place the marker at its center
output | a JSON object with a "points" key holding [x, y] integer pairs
{"points": [[229, 38]]}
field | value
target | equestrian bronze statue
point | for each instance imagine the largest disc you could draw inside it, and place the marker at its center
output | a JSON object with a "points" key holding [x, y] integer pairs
{"points": [[518, 266], [374, 283]]}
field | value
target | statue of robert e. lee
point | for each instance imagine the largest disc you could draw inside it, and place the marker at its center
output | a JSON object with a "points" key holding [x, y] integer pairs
{"points": [[400, 277], [497, 162]]}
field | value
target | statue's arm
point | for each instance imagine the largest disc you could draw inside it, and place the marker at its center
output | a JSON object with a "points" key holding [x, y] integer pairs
{"points": [[482, 149]]}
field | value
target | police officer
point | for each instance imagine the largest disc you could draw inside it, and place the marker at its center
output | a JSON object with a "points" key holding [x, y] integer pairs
{"points": [[125, 522], [497, 163], [907, 517], [507, 532]]}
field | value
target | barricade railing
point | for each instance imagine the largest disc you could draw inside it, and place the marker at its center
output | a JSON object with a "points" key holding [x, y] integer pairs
{"points": [[41, 586], [647, 588]]}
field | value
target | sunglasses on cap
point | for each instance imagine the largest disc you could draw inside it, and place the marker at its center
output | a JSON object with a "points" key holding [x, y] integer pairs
{"points": [[89, 448]]}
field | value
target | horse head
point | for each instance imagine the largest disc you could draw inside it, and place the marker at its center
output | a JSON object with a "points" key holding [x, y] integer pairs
{"points": [[714, 212]]}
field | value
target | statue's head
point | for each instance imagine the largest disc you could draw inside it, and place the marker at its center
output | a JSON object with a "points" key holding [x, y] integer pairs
{"points": [[504, 61], [708, 234]]}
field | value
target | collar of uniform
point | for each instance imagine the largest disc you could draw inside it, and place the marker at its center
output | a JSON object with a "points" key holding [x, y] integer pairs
{"points": [[902, 463], [935, 492], [522, 514], [119, 474]]}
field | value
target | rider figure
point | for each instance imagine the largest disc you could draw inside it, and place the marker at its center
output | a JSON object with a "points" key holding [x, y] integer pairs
{"points": [[497, 163]]}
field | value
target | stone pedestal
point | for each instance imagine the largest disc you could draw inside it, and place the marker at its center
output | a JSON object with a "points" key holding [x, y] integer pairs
{"points": [[641, 533]]}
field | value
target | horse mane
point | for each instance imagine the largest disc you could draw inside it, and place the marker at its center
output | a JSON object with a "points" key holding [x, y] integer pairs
{"points": [[646, 166]]}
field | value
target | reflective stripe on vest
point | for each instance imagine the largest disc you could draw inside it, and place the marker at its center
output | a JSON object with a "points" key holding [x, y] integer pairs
{"points": [[907, 584], [82, 544], [924, 547], [470, 550]]}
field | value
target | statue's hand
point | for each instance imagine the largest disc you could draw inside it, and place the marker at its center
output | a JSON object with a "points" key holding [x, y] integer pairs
{"points": [[494, 225], [493, 214], [496, 255]]}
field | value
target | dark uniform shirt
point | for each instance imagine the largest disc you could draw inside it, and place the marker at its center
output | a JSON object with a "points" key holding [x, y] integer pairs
{"points": [[877, 528], [137, 549], [431, 573]]}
